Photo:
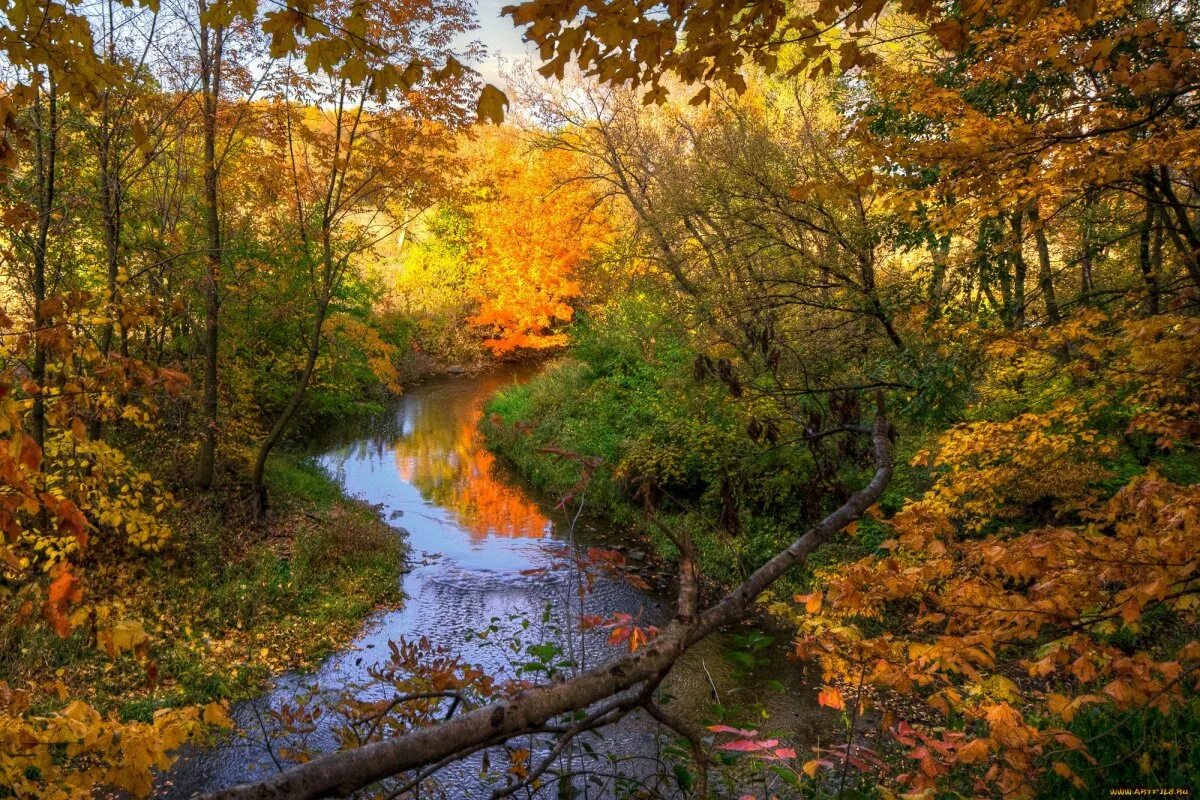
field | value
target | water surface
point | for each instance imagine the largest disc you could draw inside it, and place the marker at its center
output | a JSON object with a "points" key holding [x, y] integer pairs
{"points": [[484, 547]]}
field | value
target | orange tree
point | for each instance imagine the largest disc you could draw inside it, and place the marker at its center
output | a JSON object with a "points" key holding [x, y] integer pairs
{"points": [[536, 228]]}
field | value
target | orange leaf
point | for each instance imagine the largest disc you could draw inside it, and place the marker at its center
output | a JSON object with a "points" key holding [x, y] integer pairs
{"points": [[812, 602], [831, 698], [64, 589], [747, 734], [974, 752], [31, 455]]}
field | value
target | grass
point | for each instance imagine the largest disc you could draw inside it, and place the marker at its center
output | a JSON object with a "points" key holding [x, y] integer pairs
{"points": [[653, 416], [227, 606], [301, 483]]}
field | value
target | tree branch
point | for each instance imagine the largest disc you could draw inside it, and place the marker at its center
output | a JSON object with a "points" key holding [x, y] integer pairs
{"points": [[339, 774]]}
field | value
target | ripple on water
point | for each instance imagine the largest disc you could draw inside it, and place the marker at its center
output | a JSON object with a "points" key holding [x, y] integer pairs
{"points": [[486, 549]]}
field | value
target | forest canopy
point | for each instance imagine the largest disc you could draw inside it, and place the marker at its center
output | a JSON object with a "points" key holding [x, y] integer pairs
{"points": [[876, 321]]}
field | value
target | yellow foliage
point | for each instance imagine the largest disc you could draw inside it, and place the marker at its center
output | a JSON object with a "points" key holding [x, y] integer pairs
{"points": [[69, 754], [972, 604]]}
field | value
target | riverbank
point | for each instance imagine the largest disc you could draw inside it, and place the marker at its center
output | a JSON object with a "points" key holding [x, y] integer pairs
{"points": [[665, 439], [490, 585], [1008, 478], [228, 605]]}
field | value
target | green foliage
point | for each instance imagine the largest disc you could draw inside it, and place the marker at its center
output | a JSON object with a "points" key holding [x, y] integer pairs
{"points": [[432, 287], [362, 341], [1141, 748], [627, 394]]}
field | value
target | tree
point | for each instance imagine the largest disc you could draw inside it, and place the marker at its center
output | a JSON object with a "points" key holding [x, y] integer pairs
{"points": [[1015, 632], [535, 231], [212, 64], [368, 168], [1014, 99]]}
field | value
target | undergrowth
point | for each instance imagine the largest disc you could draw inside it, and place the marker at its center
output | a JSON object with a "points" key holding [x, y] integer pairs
{"points": [[228, 605]]}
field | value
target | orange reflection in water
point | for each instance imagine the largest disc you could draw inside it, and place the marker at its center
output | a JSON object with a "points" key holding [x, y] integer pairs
{"points": [[447, 462]]}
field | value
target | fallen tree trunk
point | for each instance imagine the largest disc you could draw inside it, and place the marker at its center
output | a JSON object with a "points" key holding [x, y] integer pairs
{"points": [[339, 774]]}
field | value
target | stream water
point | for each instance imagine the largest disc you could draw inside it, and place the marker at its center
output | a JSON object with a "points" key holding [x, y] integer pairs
{"points": [[484, 546]]}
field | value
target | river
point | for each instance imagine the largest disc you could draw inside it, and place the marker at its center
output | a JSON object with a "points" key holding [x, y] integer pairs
{"points": [[484, 547]]}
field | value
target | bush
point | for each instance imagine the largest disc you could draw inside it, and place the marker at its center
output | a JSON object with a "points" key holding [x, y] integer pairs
{"points": [[625, 393]]}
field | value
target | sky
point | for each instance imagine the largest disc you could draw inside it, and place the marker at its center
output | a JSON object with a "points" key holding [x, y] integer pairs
{"points": [[503, 41]]}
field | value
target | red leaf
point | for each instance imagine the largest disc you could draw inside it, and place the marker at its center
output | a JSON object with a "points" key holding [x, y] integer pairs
{"points": [[64, 589], [735, 731], [904, 733], [748, 745]]}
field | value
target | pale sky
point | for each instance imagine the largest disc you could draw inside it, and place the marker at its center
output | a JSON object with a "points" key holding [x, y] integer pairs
{"points": [[503, 41]]}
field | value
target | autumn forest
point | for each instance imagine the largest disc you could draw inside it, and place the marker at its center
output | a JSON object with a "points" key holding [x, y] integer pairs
{"points": [[757, 399]]}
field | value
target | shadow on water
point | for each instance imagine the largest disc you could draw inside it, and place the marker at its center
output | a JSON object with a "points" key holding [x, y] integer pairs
{"points": [[484, 547]]}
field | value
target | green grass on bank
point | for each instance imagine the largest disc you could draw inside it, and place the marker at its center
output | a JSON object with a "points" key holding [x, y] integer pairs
{"points": [[652, 418], [227, 605]]}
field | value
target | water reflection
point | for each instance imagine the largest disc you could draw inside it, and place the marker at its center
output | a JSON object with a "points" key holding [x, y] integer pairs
{"points": [[447, 462], [483, 549]]}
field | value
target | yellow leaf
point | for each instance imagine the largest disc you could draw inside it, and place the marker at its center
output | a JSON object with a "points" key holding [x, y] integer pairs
{"points": [[217, 714], [1002, 687]]}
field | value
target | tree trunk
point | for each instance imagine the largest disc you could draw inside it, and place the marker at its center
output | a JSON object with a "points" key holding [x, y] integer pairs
{"points": [[984, 274], [210, 78], [110, 210], [1087, 282], [108, 161], [1149, 245], [1020, 269], [285, 416], [940, 252], [1183, 234], [866, 267], [47, 170], [1045, 272]]}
